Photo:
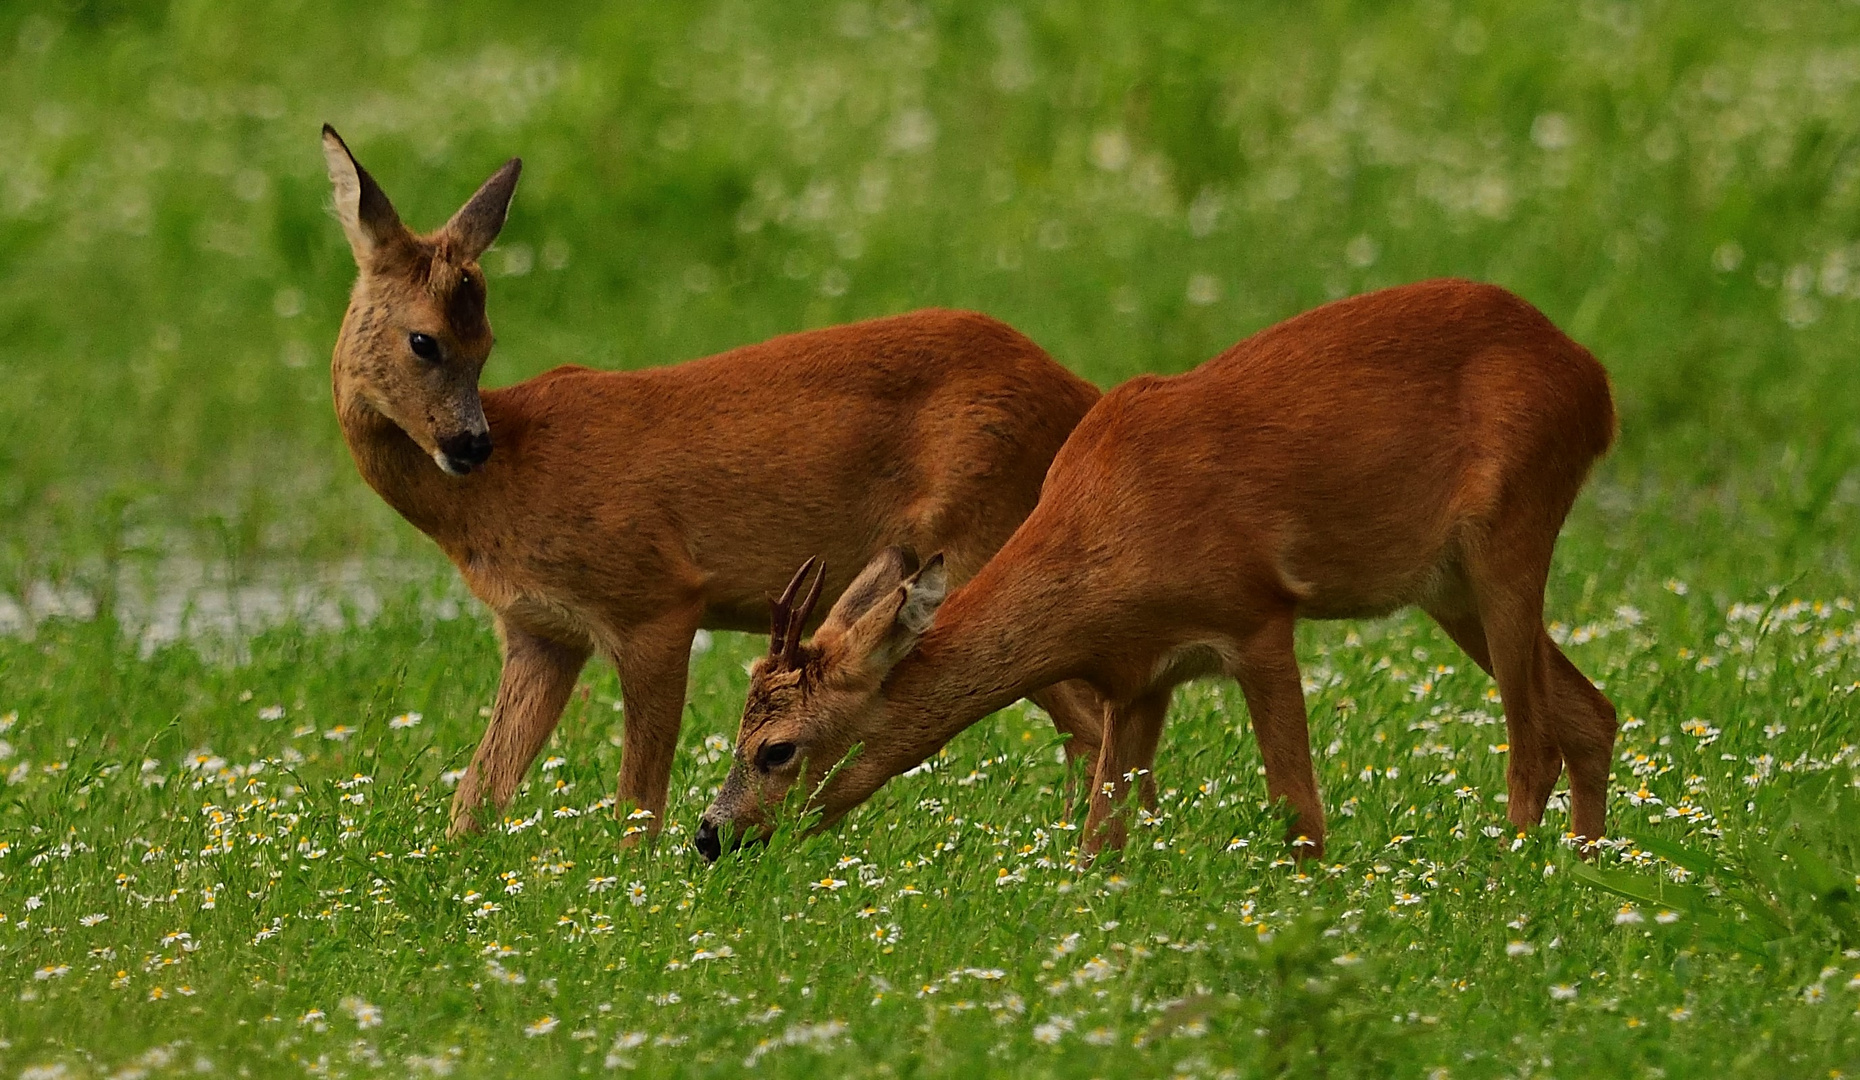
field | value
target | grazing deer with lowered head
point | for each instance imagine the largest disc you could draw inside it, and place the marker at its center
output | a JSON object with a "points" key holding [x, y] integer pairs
{"points": [[619, 512], [1417, 446]]}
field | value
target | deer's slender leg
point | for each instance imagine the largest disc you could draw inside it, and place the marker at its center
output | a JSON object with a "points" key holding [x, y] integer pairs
{"points": [[1077, 710], [1131, 732], [653, 661], [1586, 724], [537, 678], [1580, 722], [1508, 575], [1267, 670]]}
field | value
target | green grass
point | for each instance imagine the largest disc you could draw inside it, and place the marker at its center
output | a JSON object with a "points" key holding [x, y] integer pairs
{"points": [[185, 543]]}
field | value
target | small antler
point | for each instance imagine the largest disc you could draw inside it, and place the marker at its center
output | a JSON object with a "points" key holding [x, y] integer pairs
{"points": [[791, 648], [785, 623]]}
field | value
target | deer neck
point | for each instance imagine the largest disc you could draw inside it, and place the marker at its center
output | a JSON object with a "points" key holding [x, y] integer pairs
{"points": [[400, 472], [999, 638]]}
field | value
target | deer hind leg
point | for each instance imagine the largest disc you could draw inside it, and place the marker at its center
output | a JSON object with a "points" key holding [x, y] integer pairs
{"points": [[1585, 722], [1078, 711], [1127, 755], [537, 678], [653, 661], [1534, 715], [1267, 670], [1508, 580], [1585, 732]]}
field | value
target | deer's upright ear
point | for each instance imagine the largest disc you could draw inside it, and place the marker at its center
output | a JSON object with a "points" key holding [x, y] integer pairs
{"points": [[368, 219], [888, 629], [475, 227]]}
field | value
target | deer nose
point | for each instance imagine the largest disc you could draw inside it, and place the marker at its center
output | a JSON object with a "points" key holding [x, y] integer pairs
{"points": [[709, 844], [468, 450]]}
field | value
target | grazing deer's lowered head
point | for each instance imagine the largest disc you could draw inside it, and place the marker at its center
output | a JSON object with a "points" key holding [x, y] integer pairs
{"points": [[415, 337], [815, 706]]}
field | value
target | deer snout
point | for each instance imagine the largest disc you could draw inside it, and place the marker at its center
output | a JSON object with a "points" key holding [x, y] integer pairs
{"points": [[714, 837], [708, 842], [460, 454]]}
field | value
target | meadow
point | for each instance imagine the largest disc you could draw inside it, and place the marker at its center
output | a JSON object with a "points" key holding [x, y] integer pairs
{"points": [[235, 688]]}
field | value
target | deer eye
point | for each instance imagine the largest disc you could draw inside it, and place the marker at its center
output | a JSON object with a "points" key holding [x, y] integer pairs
{"points": [[424, 347], [775, 755]]}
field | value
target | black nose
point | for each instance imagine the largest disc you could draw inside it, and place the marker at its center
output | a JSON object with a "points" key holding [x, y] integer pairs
{"points": [[467, 450], [709, 844]]}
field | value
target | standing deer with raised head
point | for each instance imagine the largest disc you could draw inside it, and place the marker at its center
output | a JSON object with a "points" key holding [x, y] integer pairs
{"points": [[1417, 446], [620, 512]]}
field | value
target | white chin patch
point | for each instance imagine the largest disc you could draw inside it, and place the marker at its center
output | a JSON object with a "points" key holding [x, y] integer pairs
{"points": [[445, 464]]}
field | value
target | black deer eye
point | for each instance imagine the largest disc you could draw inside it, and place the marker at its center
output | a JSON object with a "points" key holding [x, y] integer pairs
{"points": [[775, 755], [424, 347]]}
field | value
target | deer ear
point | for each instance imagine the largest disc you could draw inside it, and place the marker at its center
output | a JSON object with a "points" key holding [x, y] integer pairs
{"points": [[923, 595], [476, 225], [368, 219], [888, 630], [887, 570]]}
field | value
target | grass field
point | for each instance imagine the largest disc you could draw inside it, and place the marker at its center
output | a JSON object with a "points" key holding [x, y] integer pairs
{"points": [[233, 684]]}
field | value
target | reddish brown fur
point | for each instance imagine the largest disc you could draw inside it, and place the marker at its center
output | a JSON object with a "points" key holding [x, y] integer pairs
{"points": [[619, 512], [1420, 445]]}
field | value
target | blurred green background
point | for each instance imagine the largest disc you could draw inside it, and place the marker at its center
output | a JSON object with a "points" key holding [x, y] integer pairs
{"points": [[1136, 186]]}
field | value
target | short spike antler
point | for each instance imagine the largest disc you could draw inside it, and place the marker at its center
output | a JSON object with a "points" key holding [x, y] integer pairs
{"points": [[782, 622], [791, 645]]}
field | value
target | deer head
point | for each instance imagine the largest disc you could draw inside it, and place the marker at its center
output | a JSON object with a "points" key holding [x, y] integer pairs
{"points": [[415, 337], [810, 704]]}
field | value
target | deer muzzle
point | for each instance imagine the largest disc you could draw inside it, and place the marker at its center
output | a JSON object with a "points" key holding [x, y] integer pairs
{"points": [[460, 454]]}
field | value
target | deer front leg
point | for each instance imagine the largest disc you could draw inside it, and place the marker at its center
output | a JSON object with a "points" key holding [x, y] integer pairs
{"points": [[1078, 711], [1275, 699], [653, 661], [538, 676], [1125, 759]]}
